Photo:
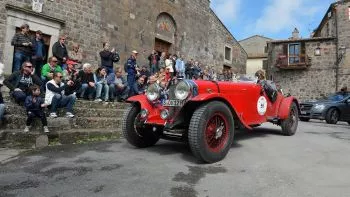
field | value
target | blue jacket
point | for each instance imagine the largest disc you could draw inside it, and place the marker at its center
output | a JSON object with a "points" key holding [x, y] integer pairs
{"points": [[131, 65], [180, 65], [30, 106]]}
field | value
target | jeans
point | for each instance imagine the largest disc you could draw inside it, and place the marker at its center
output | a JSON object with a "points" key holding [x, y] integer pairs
{"points": [[109, 69], [32, 114], [99, 87], [60, 101], [131, 80], [38, 64], [2, 110], [19, 96], [18, 60], [154, 69], [85, 88], [119, 93]]}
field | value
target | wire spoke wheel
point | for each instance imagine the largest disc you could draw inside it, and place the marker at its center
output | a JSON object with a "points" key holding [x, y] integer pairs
{"points": [[216, 132]]}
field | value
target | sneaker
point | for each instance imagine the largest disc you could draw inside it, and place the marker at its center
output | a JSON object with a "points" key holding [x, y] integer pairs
{"points": [[46, 129], [53, 115], [69, 115], [98, 100], [26, 129]]}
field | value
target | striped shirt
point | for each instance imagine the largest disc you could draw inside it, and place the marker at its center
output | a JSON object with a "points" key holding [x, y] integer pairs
{"points": [[17, 42]]}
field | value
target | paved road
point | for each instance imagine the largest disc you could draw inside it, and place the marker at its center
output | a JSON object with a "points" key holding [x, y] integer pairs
{"points": [[314, 162]]}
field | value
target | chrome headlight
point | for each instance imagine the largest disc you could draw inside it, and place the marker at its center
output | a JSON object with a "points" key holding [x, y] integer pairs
{"points": [[319, 107], [153, 92], [182, 90]]}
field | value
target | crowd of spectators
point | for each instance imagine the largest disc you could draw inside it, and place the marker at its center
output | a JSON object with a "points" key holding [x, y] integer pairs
{"points": [[61, 80]]}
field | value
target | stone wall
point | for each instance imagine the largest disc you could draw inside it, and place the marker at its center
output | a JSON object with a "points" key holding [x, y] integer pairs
{"points": [[199, 33], [131, 25], [344, 41], [82, 22], [316, 81], [255, 46]]}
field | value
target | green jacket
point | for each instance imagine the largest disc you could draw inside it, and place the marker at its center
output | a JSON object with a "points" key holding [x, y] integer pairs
{"points": [[47, 69]]}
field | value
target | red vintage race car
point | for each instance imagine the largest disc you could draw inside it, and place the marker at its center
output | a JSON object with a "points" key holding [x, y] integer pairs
{"points": [[206, 114]]}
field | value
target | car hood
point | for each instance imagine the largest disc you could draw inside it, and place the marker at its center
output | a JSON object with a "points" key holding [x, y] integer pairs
{"points": [[314, 102]]}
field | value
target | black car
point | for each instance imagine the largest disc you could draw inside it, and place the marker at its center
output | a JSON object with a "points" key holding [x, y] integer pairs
{"points": [[334, 108]]}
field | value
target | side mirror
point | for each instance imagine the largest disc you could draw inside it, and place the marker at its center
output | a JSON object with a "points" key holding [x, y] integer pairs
{"points": [[347, 101]]}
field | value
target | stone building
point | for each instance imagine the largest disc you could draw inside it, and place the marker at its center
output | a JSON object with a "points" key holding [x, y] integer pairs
{"points": [[187, 27], [256, 47], [317, 66]]}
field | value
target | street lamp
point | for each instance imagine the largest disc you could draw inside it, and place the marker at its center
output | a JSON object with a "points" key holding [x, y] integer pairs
{"points": [[342, 51], [318, 51]]}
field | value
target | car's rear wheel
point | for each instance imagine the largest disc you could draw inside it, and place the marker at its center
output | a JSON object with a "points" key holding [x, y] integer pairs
{"points": [[290, 125], [211, 132], [133, 131], [332, 116], [305, 119]]}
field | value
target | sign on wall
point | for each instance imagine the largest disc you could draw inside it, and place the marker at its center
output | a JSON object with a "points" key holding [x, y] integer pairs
{"points": [[165, 25], [37, 5]]}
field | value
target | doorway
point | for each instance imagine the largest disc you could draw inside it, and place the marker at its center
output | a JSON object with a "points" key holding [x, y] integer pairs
{"points": [[162, 46]]}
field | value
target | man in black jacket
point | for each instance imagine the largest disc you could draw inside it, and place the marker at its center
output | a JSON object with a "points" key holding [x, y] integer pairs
{"points": [[39, 52], [108, 57], [20, 81], [86, 78], [153, 62], [59, 50]]}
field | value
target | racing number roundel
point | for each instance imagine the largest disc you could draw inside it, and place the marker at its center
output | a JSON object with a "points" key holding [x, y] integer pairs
{"points": [[262, 105]]}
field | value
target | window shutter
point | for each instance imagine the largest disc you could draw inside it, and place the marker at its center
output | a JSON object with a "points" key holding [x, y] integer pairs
{"points": [[285, 49]]}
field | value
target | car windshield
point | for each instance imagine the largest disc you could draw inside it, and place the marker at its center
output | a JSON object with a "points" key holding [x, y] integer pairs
{"points": [[337, 96]]}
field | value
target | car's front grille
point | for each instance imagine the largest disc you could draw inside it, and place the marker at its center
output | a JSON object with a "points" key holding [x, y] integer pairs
{"points": [[306, 107]]}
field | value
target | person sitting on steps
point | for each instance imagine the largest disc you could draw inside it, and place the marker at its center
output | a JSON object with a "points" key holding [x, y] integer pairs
{"points": [[35, 105], [55, 96]]}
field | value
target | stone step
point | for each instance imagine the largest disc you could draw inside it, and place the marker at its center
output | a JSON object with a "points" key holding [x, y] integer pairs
{"points": [[100, 105], [17, 138], [78, 111], [19, 122], [62, 123], [98, 123]]}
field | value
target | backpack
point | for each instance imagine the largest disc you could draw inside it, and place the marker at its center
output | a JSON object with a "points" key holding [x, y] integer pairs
{"points": [[116, 57], [126, 66]]}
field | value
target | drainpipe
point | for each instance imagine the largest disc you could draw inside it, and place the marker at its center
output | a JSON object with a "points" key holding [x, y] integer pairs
{"points": [[338, 60]]}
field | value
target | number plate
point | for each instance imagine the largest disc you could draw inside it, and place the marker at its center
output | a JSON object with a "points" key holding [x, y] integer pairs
{"points": [[303, 112], [174, 103]]}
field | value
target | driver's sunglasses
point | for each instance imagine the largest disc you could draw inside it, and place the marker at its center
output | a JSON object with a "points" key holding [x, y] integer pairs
{"points": [[29, 66]]}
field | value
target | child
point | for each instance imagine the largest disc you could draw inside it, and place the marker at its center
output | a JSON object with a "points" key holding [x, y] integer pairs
{"points": [[34, 105]]}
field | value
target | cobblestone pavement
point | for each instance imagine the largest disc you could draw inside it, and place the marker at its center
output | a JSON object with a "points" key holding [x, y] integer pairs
{"points": [[314, 162]]}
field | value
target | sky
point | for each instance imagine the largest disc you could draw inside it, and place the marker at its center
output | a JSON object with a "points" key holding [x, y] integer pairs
{"points": [[275, 19]]}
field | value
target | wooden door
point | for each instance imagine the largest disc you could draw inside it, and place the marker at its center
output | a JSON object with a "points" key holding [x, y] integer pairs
{"points": [[161, 46]]}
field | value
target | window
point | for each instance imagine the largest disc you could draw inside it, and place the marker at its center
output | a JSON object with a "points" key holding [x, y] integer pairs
{"points": [[228, 54], [294, 53]]}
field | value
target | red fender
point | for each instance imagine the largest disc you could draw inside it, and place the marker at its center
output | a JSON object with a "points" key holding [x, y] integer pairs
{"points": [[142, 100], [213, 96], [284, 108]]}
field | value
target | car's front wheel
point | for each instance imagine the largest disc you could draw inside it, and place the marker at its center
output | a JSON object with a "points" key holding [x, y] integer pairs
{"points": [[290, 125], [211, 132], [332, 116], [135, 134]]}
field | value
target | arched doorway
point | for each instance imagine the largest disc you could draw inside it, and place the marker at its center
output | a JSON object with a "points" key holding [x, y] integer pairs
{"points": [[165, 33]]}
